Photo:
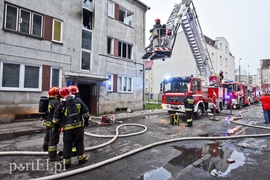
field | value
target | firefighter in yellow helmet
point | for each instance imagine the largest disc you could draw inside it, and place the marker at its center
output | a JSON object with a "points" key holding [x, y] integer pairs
{"points": [[189, 108], [73, 116]]}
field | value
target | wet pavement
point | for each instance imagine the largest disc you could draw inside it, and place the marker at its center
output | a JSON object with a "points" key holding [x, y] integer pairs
{"points": [[202, 159]]}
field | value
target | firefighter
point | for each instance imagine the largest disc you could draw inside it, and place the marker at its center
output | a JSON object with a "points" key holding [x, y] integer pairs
{"points": [[75, 91], [221, 77], [189, 108], [52, 133], [73, 116]]}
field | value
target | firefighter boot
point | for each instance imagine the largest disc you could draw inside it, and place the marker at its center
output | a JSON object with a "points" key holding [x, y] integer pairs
{"points": [[45, 146], [189, 125], [82, 159], [54, 157]]}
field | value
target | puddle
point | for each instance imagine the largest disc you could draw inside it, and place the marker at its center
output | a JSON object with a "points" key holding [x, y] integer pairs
{"points": [[216, 165]]}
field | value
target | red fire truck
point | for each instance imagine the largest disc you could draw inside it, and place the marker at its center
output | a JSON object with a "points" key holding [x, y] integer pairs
{"points": [[206, 97], [238, 94], [256, 90]]}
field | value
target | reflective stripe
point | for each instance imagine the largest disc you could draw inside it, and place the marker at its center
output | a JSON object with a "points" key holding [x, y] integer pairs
{"points": [[86, 115], [55, 121], [69, 126], [79, 108], [47, 124], [176, 119], [74, 149], [52, 148], [67, 161], [189, 120], [188, 109], [82, 157], [66, 113]]}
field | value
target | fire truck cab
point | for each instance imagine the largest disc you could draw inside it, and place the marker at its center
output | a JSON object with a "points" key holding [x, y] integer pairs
{"points": [[235, 94]]}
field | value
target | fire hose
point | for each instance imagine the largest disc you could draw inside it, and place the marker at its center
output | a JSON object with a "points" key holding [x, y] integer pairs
{"points": [[105, 162]]}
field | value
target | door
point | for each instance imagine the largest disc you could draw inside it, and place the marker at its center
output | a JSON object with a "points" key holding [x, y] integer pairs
{"points": [[88, 93]]}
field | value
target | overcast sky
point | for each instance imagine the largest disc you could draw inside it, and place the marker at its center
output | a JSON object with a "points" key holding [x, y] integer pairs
{"points": [[245, 24]]}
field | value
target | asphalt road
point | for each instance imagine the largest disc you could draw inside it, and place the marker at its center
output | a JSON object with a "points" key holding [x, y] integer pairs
{"points": [[180, 159]]}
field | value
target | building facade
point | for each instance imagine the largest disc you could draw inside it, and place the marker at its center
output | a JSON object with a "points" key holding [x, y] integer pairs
{"points": [[265, 75], [96, 45], [182, 62]]}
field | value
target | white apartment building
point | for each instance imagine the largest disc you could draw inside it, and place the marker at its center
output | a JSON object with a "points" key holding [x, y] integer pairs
{"points": [[94, 44], [182, 62]]}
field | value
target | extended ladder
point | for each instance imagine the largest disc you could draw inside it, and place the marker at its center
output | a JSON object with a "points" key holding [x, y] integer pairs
{"points": [[192, 30]]}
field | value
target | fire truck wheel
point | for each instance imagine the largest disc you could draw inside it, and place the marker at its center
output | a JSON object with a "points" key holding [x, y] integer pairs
{"points": [[199, 112]]}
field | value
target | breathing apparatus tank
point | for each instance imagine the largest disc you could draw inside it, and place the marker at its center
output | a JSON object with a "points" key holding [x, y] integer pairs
{"points": [[43, 105], [73, 116]]}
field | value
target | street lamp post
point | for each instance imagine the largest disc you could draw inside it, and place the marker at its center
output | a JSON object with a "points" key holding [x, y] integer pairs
{"points": [[248, 75], [239, 69]]}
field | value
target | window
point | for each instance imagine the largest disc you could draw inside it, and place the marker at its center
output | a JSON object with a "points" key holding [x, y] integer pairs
{"points": [[20, 76], [124, 50], [220, 60], [55, 77], [109, 83], [86, 39], [24, 24], [110, 45], [88, 4], [125, 16], [124, 84], [57, 30], [31, 77], [86, 59], [37, 25], [25, 21], [87, 19], [111, 9]]}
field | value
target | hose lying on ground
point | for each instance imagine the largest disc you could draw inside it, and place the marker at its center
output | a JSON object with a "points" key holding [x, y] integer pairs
{"points": [[102, 163]]}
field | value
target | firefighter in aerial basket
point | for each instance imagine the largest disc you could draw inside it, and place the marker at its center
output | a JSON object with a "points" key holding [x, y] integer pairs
{"points": [[189, 108]]}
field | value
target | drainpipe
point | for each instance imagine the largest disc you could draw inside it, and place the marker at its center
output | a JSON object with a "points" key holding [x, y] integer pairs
{"points": [[144, 25]]}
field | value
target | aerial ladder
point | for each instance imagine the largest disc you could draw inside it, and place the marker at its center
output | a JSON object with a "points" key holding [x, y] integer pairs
{"points": [[161, 47]]}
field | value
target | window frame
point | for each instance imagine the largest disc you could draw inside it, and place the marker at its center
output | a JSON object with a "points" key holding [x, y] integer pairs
{"points": [[125, 46], [110, 81], [18, 20], [123, 86], [21, 21], [60, 77], [61, 30], [90, 63], [110, 45], [112, 8], [125, 16], [21, 77]]}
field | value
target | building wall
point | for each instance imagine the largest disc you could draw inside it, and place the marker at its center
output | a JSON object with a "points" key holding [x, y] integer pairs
{"points": [[23, 49], [265, 75], [182, 62], [134, 68]]}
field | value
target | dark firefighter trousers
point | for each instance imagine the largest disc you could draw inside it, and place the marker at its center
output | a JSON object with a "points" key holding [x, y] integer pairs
{"points": [[189, 114], [73, 137], [54, 140]]}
